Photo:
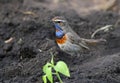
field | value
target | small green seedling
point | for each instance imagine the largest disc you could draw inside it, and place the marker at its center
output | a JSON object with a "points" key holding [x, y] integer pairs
{"points": [[60, 67]]}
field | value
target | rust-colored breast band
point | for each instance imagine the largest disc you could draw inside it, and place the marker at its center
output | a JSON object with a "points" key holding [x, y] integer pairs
{"points": [[61, 40]]}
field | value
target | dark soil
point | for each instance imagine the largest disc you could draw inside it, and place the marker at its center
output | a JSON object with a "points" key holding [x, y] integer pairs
{"points": [[22, 62]]}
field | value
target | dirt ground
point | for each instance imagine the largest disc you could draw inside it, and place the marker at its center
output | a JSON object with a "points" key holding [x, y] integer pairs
{"points": [[27, 38]]}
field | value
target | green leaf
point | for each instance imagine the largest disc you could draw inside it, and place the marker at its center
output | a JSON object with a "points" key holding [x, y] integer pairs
{"points": [[44, 79], [62, 68], [46, 67], [49, 74]]}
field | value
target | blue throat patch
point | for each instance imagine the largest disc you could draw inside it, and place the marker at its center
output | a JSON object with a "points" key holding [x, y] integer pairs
{"points": [[59, 34], [57, 27]]}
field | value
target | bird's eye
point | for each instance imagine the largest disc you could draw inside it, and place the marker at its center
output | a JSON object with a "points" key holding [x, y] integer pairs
{"points": [[58, 21]]}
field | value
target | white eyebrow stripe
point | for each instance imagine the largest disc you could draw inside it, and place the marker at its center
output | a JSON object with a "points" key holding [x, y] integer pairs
{"points": [[59, 20]]}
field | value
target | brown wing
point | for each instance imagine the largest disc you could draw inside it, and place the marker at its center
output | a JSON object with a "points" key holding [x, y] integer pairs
{"points": [[75, 39]]}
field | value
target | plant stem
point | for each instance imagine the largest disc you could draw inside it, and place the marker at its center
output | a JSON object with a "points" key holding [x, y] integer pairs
{"points": [[59, 77]]}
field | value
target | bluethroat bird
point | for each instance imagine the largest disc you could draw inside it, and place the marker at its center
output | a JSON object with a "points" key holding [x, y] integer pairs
{"points": [[67, 40]]}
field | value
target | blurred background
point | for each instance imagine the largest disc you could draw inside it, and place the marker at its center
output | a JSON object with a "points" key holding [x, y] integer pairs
{"points": [[27, 38], [82, 7]]}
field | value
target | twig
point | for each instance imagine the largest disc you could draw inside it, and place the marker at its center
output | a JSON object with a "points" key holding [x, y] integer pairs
{"points": [[105, 29]]}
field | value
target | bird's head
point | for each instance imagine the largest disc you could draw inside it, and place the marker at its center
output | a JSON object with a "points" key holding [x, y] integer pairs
{"points": [[60, 24]]}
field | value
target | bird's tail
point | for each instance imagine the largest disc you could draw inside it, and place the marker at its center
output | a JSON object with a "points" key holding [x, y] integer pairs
{"points": [[93, 41]]}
